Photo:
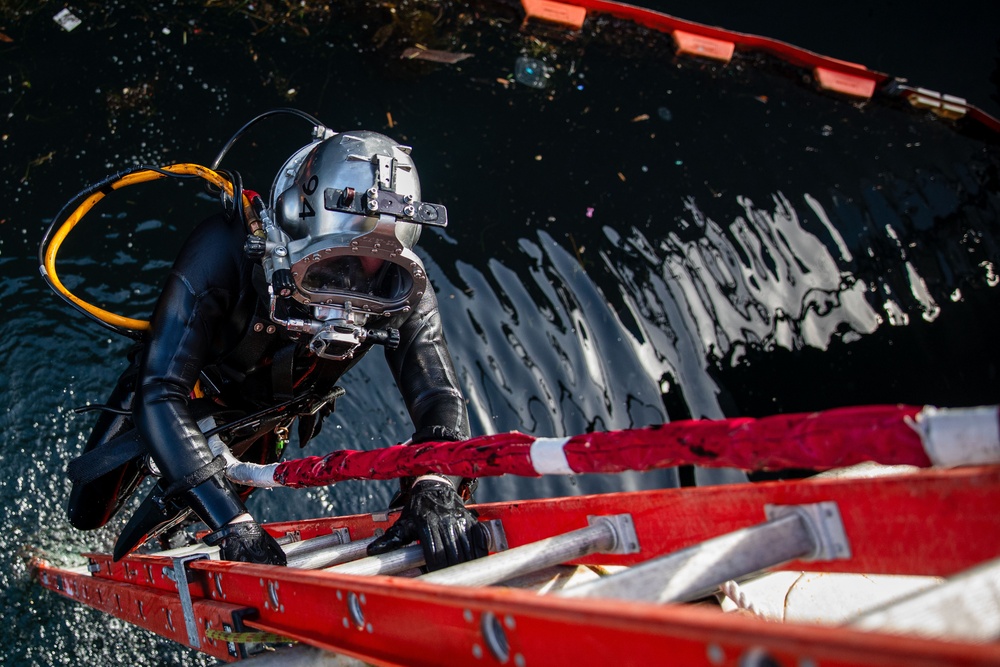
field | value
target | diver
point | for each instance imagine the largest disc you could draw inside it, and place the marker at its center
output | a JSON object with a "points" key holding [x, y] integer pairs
{"points": [[252, 332]]}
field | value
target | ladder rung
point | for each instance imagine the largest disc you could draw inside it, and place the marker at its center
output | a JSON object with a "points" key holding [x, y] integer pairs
{"points": [[337, 537], [692, 573], [393, 562], [330, 556], [599, 537], [965, 606]]}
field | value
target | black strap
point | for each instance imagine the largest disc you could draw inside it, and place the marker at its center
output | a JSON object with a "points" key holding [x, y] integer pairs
{"points": [[210, 469], [113, 454], [229, 530]]}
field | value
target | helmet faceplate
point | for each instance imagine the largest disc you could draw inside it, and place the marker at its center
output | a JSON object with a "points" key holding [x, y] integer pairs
{"points": [[343, 247]]}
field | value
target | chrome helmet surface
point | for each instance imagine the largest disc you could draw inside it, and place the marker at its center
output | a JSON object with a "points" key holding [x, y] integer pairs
{"points": [[345, 243], [347, 213]]}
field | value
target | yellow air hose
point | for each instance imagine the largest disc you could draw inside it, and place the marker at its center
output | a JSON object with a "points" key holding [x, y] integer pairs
{"points": [[138, 176]]}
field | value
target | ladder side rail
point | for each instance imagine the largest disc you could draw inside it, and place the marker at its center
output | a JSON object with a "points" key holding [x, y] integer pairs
{"points": [[397, 620]]}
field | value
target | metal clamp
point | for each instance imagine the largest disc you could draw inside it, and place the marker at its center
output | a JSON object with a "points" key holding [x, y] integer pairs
{"points": [[495, 534], [824, 524], [179, 575], [626, 540]]}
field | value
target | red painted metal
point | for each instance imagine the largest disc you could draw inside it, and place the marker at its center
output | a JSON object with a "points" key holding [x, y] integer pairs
{"points": [[816, 440], [158, 611], [408, 622], [923, 523], [807, 60], [666, 23], [887, 519]]}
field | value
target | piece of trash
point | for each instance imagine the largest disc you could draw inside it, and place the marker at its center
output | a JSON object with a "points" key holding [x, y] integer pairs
{"points": [[5, 38], [761, 98], [532, 72], [664, 114], [504, 82], [621, 176], [388, 117], [641, 117], [166, 30], [433, 56], [66, 20], [538, 158], [590, 211]]}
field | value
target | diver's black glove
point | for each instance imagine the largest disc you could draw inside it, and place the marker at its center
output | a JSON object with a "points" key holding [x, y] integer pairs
{"points": [[246, 542], [434, 514]]}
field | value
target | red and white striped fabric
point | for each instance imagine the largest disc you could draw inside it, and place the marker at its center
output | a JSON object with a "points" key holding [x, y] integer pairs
{"points": [[890, 435]]}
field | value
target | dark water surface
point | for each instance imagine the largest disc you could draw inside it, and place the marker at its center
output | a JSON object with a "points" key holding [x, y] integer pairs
{"points": [[645, 239]]}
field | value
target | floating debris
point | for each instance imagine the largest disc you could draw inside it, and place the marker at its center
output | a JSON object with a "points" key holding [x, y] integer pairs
{"points": [[66, 20], [641, 117], [448, 57], [664, 114], [532, 72]]}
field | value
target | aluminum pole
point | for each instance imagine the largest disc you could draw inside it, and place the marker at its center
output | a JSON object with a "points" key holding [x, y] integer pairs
{"points": [[324, 558], [697, 571], [599, 537], [393, 562]]}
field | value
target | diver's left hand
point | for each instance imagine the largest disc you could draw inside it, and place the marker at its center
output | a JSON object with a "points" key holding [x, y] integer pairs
{"points": [[436, 516]]}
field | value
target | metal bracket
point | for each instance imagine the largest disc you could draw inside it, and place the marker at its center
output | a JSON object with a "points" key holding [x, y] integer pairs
{"points": [[387, 202], [824, 524], [179, 575], [496, 535], [626, 540]]}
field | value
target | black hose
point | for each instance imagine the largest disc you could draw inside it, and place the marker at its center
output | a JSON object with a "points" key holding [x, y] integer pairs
{"points": [[240, 132]]}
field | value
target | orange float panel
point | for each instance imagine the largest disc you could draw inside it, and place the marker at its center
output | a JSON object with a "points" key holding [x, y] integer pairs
{"points": [[555, 12], [848, 84], [706, 47]]}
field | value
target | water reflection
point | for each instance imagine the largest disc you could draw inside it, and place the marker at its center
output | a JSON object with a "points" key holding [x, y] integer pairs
{"points": [[749, 243], [540, 350]]}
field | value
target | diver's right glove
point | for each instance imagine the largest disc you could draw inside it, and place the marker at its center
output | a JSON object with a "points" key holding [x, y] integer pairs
{"points": [[435, 514], [247, 542]]}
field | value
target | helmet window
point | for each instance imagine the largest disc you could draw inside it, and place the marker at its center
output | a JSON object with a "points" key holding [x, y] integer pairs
{"points": [[347, 275]]}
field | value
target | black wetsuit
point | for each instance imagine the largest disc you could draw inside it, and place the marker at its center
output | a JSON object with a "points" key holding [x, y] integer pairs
{"points": [[210, 324]]}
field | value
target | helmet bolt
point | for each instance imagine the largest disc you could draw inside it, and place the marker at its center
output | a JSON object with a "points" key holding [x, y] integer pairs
{"points": [[408, 211], [409, 199], [258, 327], [281, 251], [372, 204], [428, 212]]}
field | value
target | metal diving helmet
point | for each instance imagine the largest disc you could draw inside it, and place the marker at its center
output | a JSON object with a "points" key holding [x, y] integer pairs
{"points": [[346, 215]]}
